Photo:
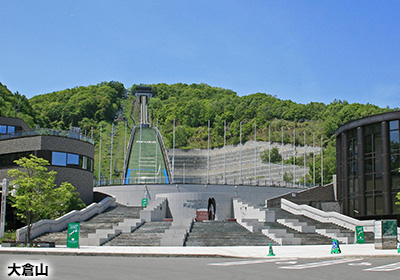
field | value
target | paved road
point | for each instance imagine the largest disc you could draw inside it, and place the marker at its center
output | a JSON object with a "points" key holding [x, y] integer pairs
{"points": [[86, 267]]}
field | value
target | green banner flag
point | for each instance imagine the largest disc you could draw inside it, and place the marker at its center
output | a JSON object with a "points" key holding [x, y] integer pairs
{"points": [[144, 202], [73, 235], [360, 235]]}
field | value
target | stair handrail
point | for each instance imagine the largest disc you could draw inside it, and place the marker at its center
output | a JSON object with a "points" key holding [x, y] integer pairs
{"points": [[327, 217], [61, 223]]}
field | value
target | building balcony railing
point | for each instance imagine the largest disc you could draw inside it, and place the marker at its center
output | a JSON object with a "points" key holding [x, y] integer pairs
{"points": [[47, 132], [198, 181]]}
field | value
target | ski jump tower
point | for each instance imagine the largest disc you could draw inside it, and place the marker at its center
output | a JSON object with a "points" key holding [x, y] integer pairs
{"points": [[147, 160], [144, 94]]}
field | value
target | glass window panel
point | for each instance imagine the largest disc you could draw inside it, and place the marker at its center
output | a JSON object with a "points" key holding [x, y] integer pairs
{"points": [[3, 129], [368, 166], [90, 164], [73, 159], [81, 161], [356, 209], [395, 181], [368, 144], [378, 165], [351, 185], [59, 159], [377, 143], [84, 162], [394, 163], [351, 207], [356, 185], [370, 205], [368, 130], [394, 140], [378, 182], [394, 125], [395, 207], [11, 129], [377, 128], [378, 205], [369, 182]]}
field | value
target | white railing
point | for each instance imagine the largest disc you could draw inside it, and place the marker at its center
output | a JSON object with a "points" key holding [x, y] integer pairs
{"points": [[326, 217], [61, 223]]}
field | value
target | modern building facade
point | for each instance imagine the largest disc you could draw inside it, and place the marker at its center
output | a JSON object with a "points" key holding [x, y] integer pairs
{"points": [[367, 166], [69, 153]]}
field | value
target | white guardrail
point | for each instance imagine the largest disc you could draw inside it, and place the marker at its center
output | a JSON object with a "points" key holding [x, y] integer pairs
{"points": [[61, 223], [326, 217]]}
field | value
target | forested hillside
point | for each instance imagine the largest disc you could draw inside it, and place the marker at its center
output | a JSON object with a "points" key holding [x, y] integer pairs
{"points": [[15, 104], [192, 106]]}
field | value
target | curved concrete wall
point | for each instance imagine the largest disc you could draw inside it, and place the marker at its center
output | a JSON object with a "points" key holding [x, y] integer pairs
{"points": [[81, 179]]}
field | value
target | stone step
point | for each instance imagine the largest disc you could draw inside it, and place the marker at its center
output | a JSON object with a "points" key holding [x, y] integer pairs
{"points": [[224, 234], [106, 220], [149, 234]]}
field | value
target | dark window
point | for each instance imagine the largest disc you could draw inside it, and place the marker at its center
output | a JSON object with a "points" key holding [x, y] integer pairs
{"points": [[370, 182], [368, 144], [378, 205], [90, 164], [395, 207], [8, 159], [378, 181], [370, 205]]}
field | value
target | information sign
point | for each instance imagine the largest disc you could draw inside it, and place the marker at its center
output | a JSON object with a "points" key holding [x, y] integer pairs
{"points": [[360, 234], [144, 202], [73, 235]]}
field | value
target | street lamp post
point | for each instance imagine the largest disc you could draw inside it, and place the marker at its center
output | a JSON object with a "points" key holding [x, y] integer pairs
{"points": [[4, 193]]}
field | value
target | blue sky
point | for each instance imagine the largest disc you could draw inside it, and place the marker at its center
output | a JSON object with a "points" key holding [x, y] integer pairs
{"points": [[299, 50]]}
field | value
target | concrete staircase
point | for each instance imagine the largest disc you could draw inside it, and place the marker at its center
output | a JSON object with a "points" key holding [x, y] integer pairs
{"points": [[149, 234], [217, 233], [312, 232], [110, 218]]}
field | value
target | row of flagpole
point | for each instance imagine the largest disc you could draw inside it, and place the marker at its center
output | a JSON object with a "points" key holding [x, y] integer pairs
{"points": [[255, 154], [224, 149]]}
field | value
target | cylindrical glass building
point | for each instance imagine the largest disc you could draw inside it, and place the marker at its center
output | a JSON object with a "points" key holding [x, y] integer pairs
{"points": [[367, 166]]}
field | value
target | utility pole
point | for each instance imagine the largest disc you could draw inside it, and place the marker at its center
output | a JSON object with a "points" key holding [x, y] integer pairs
{"points": [[240, 176], [282, 155], [99, 178], [269, 152], [208, 154], [173, 155], [112, 142], [255, 152], [225, 152]]}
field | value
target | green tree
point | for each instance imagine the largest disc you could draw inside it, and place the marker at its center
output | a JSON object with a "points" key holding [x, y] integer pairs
{"points": [[37, 196], [275, 156]]}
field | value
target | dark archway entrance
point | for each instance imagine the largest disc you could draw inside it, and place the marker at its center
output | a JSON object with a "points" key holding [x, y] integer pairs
{"points": [[212, 209]]}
